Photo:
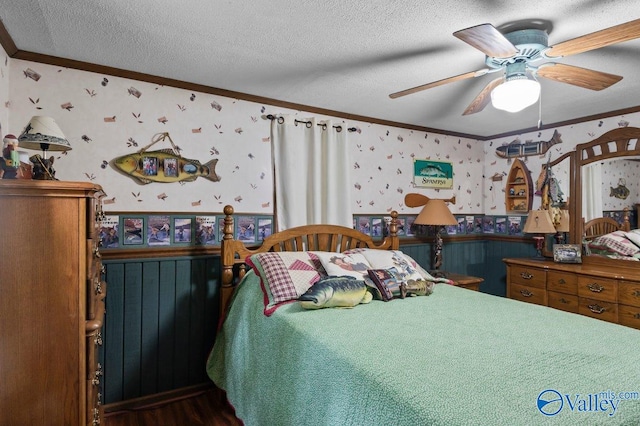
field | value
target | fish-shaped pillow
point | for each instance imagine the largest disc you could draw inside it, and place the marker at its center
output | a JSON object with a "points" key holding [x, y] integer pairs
{"points": [[336, 292]]}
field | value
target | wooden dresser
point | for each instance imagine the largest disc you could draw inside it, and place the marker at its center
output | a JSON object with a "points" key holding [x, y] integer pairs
{"points": [[51, 303], [609, 294]]}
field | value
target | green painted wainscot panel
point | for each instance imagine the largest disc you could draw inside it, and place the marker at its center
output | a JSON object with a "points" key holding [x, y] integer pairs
{"points": [[162, 313], [160, 324]]}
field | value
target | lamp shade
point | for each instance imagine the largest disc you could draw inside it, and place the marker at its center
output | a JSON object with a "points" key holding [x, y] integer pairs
{"points": [[515, 94], [43, 133], [435, 212], [539, 222]]}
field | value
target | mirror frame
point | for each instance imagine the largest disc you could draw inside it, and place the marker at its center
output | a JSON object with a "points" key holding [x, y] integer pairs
{"points": [[620, 142]]}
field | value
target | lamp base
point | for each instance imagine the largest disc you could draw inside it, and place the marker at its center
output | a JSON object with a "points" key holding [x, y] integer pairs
{"points": [[539, 245], [43, 168]]}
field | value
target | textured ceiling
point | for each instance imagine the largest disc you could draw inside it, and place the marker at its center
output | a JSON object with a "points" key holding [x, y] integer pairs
{"points": [[339, 55]]}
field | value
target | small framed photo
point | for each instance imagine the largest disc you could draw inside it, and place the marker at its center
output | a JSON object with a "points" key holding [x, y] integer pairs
{"points": [[205, 230], [461, 227], [364, 225], [133, 230], [376, 226], [567, 253], [159, 230], [246, 229], [501, 224], [182, 230], [265, 227]]}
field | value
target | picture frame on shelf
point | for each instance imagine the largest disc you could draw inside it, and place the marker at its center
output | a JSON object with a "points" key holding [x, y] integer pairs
{"points": [[182, 230]]}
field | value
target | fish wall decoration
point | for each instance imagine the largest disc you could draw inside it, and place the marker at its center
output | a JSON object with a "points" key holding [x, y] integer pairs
{"points": [[520, 149], [163, 166]]}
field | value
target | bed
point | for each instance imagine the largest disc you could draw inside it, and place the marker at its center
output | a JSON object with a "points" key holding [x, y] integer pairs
{"points": [[607, 237], [454, 357]]}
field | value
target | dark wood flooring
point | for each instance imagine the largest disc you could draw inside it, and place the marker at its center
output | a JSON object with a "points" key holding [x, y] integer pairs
{"points": [[208, 407]]}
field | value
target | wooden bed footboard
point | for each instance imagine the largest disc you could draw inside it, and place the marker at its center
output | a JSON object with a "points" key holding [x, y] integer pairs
{"points": [[332, 238]]}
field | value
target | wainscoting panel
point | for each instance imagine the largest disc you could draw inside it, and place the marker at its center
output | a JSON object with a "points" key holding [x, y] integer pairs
{"points": [[160, 324]]}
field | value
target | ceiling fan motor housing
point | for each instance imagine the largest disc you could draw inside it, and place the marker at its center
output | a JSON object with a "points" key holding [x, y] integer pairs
{"points": [[530, 44]]}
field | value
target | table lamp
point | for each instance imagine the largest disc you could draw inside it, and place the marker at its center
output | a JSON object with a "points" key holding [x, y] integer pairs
{"points": [[539, 223], [43, 133], [436, 213]]}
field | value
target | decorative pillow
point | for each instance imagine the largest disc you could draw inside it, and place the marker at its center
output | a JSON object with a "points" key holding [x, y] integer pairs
{"points": [[340, 264], [633, 236], [407, 268], [386, 283], [284, 276], [336, 292], [386, 259], [616, 242]]}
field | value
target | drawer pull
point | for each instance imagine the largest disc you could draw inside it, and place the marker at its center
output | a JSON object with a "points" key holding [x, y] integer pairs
{"points": [[596, 309], [595, 287], [526, 275], [636, 293], [561, 281], [526, 293], [563, 300]]}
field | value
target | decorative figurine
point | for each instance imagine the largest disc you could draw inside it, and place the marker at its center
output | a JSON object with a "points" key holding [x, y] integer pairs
{"points": [[10, 162]]}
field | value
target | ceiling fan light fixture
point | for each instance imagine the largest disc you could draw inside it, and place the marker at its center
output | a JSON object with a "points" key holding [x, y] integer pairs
{"points": [[515, 94]]}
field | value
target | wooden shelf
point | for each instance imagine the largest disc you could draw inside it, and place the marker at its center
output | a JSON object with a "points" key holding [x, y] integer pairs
{"points": [[519, 189]]}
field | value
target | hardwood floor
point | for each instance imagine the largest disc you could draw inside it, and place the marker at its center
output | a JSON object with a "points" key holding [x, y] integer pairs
{"points": [[208, 407]]}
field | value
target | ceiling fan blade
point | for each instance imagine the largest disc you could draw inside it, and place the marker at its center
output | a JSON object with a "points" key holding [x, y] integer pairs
{"points": [[483, 98], [438, 83], [582, 77], [488, 40], [415, 200], [612, 35]]}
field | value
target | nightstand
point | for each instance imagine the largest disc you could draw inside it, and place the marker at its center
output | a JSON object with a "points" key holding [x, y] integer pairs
{"points": [[465, 281]]}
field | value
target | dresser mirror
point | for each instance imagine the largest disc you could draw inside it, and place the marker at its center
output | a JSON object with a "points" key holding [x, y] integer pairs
{"points": [[614, 152]]}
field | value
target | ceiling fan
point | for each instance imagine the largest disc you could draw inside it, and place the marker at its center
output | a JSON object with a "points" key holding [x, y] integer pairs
{"points": [[516, 54]]}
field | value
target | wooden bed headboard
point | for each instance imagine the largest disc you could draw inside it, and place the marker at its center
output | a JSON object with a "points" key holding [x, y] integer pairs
{"points": [[605, 225], [333, 238]]}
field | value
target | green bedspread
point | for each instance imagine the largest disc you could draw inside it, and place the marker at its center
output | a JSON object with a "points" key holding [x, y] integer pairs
{"points": [[457, 357]]}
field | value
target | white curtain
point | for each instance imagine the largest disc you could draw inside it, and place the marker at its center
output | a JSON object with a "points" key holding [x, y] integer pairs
{"points": [[311, 171], [592, 191]]}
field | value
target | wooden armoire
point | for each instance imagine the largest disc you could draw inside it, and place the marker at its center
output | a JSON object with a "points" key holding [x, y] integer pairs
{"points": [[51, 303]]}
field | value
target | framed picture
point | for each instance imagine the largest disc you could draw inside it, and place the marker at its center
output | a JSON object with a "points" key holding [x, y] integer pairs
{"points": [[205, 230], [265, 227], [133, 228], [246, 229], [109, 235], [182, 230], [432, 174], [501, 225], [159, 230], [567, 253], [376, 226]]}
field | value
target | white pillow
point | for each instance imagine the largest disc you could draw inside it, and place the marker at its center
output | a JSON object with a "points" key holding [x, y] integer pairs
{"points": [[340, 264]]}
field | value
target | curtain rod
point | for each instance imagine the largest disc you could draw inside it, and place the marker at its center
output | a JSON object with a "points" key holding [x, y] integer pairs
{"points": [[308, 123]]}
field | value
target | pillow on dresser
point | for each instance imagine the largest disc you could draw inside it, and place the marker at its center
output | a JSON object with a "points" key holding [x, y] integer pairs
{"points": [[285, 276]]}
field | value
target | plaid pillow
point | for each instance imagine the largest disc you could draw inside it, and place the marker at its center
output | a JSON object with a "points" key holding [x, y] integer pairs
{"points": [[285, 276], [616, 242]]}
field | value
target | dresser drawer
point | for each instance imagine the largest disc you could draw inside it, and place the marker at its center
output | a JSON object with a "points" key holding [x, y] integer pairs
{"points": [[562, 282], [598, 309], [563, 301], [629, 293], [629, 316], [598, 288], [528, 294], [526, 276]]}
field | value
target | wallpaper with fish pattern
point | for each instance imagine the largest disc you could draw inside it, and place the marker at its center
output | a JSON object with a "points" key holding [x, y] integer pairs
{"points": [[105, 117]]}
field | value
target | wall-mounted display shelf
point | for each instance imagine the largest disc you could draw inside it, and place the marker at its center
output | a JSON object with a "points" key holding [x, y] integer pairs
{"points": [[519, 190]]}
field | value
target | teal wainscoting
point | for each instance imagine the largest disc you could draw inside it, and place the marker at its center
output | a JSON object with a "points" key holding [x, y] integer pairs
{"points": [[160, 324], [479, 258], [162, 312]]}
